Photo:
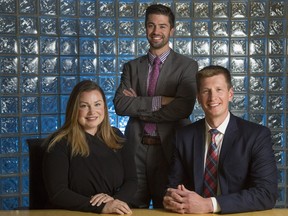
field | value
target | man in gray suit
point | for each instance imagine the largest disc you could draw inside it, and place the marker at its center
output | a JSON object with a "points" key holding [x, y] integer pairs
{"points": [[166, 110]]}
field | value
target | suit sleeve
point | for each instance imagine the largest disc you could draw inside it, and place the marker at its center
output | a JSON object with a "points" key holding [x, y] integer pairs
{"points": [[181, 86], [260, 191]]}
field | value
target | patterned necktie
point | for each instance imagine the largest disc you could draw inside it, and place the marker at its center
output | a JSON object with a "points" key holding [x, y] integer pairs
{"points": [[210, 176], [151, 127]]}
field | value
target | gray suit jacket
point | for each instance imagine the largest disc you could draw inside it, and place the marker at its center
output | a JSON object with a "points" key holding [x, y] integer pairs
{"points": [[176, 79]]}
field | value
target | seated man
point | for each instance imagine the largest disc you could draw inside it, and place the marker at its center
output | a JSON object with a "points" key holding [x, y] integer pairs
{"points": [[222, 163]]}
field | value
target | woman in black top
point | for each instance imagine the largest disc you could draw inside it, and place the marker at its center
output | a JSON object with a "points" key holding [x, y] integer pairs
{"points": [[88, 165]]}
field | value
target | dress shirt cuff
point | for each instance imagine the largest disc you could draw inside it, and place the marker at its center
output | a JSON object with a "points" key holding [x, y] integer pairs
{"points": [[216, 206], [156, 103]]}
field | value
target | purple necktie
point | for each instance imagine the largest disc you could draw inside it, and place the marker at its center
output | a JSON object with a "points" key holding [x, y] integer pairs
{"points": [[151, 127], [210, 175]]}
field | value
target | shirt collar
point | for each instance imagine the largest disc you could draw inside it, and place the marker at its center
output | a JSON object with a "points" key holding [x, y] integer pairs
{"points": [[162, 57], [222, 127]]}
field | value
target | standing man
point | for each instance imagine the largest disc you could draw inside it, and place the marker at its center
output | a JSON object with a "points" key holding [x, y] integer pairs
{"points": [[155, 110], [222, 163]]}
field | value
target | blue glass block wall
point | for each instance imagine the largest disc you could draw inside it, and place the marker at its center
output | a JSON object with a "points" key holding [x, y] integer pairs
{"points": [[47, 46]]}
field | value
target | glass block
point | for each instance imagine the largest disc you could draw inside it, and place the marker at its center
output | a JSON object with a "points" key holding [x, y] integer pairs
{"points": [[88, 46], [29, 84], [197, 107], [87, 8], [68, 7], [63, 103], [9, 105], [27, 6], [141, 7], [109, 99], [220, 9], [275, 121], [107, 8], [126, 27], [238, 65], [92, 78], [49, 104], [9, 203], [68, 65], [48, 7], [258, 28], [257, 84], [280, 157], [107, 65], [276, 46], [239, 102], [277, 8], [8, 84], [256, 102], [8, 6], [278, 140], [29, 104], [30, 124], [257, 47], [183, 46], [239, 9], [49, 85], [68, 46], [8, 65], [183, 28], [88, 27], [201, 28], [275, 102], [122, 61], [126, 46], [108, 83], [276, 65], [9, 185], [9, 145], [29, 65], [107, 27], [49, 45], [142, 46], [29, 45], [182, 9], [88, 65], [107, 46], [257, 118], [258, 9], [7, 24], [28, 25], [25, 184], [202, 61], [9, 125], [122, 122], [126, 8], [25, 201], [67, 84], [239, 83], [49, 123], [239, 47], [276, 84], [239, 28], [220, 28], [276, 27], [140, 28], [201, 9], [222, 61], [8, 45], [281, 176], [9, 165], [113, 119], [48, 26], [49, 65], [257, 65], [220, 47], [201, 47], [69, 27]]}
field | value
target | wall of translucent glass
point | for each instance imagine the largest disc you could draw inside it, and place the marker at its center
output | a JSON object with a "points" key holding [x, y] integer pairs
{"points": [[47, 46]]}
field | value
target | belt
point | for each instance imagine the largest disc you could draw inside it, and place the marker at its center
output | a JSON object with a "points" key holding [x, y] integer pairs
{"points": [[151, 140]]}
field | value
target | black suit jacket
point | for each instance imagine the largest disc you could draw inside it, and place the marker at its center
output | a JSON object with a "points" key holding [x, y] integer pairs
{"points": [[247, 169]]}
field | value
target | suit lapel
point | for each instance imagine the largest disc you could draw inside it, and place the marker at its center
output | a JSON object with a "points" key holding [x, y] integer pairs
{"points": [[143, 74]]}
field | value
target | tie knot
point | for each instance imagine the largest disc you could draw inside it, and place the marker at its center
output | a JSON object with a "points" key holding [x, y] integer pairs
{"points": [[213, 131], [157, 61]]}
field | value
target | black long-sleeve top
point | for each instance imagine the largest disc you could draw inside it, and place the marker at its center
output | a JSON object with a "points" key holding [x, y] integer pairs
{"points": [[71, 181]]}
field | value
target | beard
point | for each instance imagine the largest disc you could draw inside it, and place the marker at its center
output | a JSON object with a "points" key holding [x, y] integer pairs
{"points": [[157, 45]]}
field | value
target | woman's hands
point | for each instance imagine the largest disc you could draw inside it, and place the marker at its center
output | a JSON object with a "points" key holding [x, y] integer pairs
{"points": [[98, 199]]}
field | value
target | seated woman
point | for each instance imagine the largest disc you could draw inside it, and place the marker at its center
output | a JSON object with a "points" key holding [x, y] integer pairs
{"points": [[88, 165]]}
